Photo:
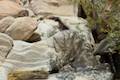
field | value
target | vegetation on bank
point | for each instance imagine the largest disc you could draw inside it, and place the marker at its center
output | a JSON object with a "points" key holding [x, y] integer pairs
{"points": [[104, 17]]}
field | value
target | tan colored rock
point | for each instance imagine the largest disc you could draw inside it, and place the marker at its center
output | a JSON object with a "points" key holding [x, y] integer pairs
{"points": [[5, 23], [52, 7], [22, 28], [17, 1], [6, 44], [9, 8]]}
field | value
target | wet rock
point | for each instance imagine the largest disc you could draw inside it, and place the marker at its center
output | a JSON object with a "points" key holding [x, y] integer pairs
{"points": [[6, 44], [5, 23], [22, 28]]}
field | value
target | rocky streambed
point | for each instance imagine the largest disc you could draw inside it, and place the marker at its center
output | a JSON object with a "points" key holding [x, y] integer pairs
{"points": [[52, 46], [57, 55]]}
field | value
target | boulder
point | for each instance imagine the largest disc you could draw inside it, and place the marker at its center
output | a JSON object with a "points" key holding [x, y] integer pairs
{"points": [[76, 24], [6, 44], [31, 56], [34, 58], [75, 46], [47, 28], [52, 7], [79, 31], [5, 23], [22, 28], [9, 8]]}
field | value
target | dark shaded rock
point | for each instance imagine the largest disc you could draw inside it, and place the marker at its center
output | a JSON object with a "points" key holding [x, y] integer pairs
{"points": [[109, 55], [81, 12], [34, 38]]}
